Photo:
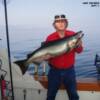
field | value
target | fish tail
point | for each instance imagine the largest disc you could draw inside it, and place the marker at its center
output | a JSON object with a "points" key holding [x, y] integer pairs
{"points": [[22, 65]]}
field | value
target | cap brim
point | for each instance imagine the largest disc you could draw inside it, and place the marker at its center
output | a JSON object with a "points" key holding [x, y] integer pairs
{"points": [[60, 19]]}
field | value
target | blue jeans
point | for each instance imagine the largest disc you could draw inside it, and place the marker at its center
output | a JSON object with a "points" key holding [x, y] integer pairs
{"points": [[65, 76]]}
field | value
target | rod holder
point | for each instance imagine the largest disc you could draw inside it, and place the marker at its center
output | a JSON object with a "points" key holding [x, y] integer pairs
{"points": [[35, 70], [44, 69]]}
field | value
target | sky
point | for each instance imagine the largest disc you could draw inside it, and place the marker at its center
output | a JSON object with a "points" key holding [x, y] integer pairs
{"points": [[41, 12], [35, 17]]}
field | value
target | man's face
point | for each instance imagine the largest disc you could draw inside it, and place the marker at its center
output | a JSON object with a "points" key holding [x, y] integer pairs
{"points": [[60, 25]]}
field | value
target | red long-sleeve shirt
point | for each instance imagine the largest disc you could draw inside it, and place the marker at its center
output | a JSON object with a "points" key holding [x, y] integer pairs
{"points": [[65, 60]]}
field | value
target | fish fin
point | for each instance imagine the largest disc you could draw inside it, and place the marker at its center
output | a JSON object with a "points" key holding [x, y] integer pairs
{"points": [[29, 55], [43, 43], [22, 65], [32, 53], [37, 63]]}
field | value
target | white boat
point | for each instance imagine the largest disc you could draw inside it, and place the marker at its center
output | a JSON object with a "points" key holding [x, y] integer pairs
{"points": [[28, 87]]}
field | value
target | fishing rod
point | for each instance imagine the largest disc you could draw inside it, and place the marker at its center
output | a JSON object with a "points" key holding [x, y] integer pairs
{"points": [[8, 46]]}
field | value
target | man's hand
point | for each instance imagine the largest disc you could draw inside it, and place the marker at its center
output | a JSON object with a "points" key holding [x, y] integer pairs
{"points": [[79, 43]]}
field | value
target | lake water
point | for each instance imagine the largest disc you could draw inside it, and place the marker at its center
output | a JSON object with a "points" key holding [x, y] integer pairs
{"points": [[84, 62]]}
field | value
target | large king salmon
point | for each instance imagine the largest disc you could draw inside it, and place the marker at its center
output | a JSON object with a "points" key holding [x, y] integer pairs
{"points": [[53, 48]]}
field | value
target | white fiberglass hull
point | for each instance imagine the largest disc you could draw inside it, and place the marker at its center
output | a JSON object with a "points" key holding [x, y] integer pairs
{"points": [[27, 88]]}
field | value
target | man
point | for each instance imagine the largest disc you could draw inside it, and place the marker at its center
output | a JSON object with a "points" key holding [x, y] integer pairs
{"points": [[62, 67]]}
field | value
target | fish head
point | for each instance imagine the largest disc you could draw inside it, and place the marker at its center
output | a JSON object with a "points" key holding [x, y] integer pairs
{"points": [[78, 35], [75, 38]]}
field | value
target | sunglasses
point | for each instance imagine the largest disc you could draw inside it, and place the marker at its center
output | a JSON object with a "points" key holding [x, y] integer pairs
{"points": [[60, 16]]}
